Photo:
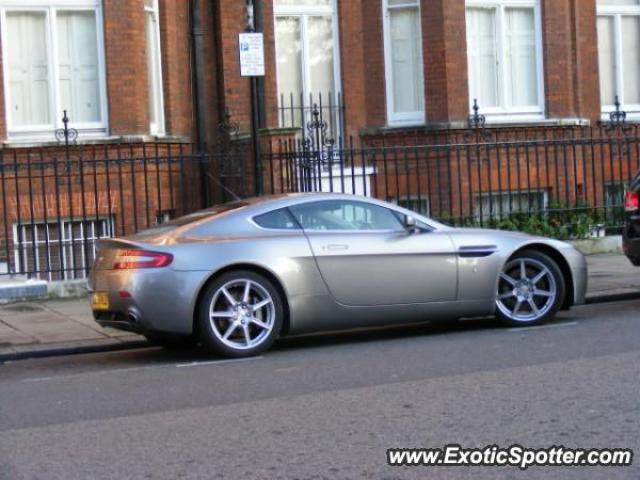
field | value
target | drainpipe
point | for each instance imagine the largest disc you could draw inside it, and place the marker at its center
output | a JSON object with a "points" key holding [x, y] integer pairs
{"points": [[197, 36], [259, 27], [198, 85]]}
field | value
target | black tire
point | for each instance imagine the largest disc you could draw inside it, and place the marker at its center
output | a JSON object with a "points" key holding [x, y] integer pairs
{"points": [[211, 330], [545, 306]]}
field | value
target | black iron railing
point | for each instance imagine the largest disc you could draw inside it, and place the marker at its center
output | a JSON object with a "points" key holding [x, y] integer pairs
{"points": [[56, 203], [298, 110], [564, 182]]}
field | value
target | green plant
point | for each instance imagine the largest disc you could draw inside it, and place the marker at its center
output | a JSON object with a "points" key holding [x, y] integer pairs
{"points": [[560, 220]]}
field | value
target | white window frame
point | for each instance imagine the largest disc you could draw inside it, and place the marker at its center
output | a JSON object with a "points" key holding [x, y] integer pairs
{"points": [[50, 8], [504, 114], [304, 12], [403, 119], [617, 12], [157, 129]]}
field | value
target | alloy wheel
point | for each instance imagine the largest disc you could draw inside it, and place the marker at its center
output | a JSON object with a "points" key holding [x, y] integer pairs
{"points": [[242, 314], [527, 290]]}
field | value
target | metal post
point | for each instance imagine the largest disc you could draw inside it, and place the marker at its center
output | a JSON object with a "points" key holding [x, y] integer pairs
{"points": [[255, 119], [255, 108], [197, 39]]}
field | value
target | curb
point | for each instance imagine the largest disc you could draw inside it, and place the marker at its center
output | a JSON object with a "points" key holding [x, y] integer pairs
{"points": [[57, 350], [612, 297]]}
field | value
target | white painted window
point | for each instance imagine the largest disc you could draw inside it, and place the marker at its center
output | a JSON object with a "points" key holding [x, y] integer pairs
{"points": [[53, 61], [57, 250], [504, 51], [307, 59], [502, 204], [403, 62], [154, 68], [619, 54]]}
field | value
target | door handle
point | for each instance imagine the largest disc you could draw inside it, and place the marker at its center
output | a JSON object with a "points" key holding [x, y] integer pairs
{"points": [[337, 247]]}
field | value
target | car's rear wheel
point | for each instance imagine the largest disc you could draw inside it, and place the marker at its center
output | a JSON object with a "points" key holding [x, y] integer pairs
{"points": [[241, 314], [531, 289]]}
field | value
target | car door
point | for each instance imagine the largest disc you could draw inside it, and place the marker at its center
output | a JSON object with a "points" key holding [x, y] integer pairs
{"points": [[368, 258]]}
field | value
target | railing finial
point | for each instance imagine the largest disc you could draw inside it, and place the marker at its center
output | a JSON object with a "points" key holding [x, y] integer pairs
{"points": [[476, 120], [66, 134]]}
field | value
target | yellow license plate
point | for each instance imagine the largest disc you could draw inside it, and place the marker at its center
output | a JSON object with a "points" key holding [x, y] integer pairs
{"points": [[100, 301]]}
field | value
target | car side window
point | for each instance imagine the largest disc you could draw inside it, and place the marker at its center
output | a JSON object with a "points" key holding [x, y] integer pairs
{"points": [[345, 215], [277, 220]]}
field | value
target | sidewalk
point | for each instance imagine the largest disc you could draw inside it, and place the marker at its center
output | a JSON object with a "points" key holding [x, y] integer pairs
{"points": [[66, 326], [56, 327]]}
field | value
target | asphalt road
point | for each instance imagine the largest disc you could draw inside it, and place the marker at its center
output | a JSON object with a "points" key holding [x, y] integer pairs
{"points": [[329, 407]]}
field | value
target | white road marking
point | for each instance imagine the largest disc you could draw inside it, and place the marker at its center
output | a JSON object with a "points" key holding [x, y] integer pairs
{"points": [[540, 327], [131, 369], [217, 362]]}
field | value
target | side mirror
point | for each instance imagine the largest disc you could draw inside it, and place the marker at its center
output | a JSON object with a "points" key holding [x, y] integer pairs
{"points": [[410, 224]]}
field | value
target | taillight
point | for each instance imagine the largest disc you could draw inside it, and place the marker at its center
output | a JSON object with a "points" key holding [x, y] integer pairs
{"points": [[631, 201], [134, 259]]}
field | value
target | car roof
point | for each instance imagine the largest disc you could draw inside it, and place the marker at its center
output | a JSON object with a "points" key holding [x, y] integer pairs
{"points": [[258, 205]]}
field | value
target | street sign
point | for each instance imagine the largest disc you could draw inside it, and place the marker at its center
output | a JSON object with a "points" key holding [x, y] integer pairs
{"points": [[251, 54]]}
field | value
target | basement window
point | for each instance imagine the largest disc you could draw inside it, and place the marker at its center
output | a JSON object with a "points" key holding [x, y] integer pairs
{"points": [[55, 250]]}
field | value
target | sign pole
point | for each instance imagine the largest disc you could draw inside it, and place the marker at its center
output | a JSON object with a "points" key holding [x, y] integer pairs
{"points": [[252, 66], [255, 118]]}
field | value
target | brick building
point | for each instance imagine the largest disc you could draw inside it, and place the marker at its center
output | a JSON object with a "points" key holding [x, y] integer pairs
{"points": [[125, 69], [151, 78]]}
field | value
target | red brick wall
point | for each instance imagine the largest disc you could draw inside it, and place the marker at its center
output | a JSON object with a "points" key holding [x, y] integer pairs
{"points": [[232, 21], [355, 67], [363, 64], [176, 67], [586, 79], [131, 190], [375, 83], [570, 61], [445, 60], [125, 40], [556, 27]]}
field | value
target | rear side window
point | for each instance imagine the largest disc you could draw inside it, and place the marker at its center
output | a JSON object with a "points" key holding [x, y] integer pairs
{"points": [[277, 220]]}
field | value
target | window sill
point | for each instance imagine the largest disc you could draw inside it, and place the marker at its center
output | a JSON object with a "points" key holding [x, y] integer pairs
{"points": [[492, 122], [514, 121], [38, 142]]}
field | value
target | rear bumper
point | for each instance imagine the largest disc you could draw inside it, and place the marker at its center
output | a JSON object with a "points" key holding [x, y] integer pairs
{"points": [[631, 239], [157, 300]]}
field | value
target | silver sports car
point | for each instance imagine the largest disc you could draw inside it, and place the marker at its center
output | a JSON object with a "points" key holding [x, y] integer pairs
{"points": [[240, 275]]}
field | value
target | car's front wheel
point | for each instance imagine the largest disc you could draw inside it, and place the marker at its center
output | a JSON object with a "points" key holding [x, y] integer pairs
{"points": [[241, 314], [531, 289]]}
